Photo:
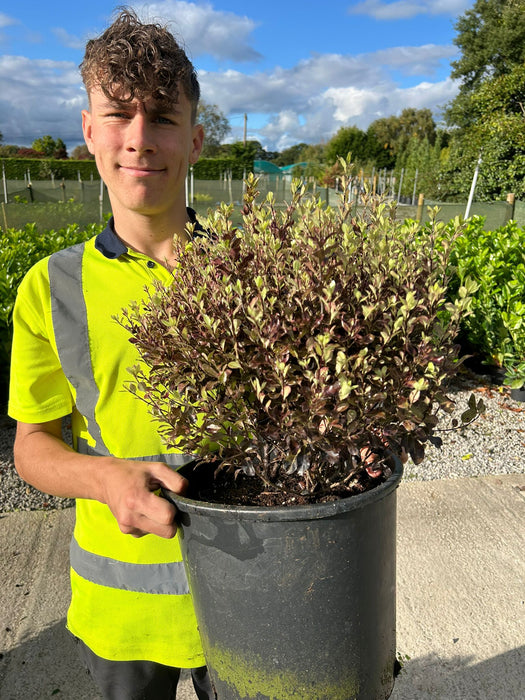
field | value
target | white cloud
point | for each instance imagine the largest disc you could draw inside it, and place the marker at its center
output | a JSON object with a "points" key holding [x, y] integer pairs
{"points": [[69, 40], [39, 97], [311, 100], [351, 106], [223, 35], [308, 102], [6, 21], [415, 60], [405, 9]]}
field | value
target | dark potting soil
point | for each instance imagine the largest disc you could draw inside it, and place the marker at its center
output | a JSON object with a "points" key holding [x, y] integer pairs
{"points": [[208, 484]]}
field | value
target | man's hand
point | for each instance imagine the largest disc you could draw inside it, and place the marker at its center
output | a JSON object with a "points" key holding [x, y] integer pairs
{"points": [[130, 495], [127, 487]]}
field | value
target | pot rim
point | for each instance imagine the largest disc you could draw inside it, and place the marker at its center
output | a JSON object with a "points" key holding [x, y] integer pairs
{"points": [[310, 511]]}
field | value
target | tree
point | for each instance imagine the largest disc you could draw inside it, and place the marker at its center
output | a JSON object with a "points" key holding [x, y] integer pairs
{"points": [[49, 148], [8, 150], [349, 139], [424, 158], [378, 146], [45, 144], [81, 152], [491, 37], [216, 128], [291, 155], [497, 130], [393, 134], [60, 151], [23, 152]]}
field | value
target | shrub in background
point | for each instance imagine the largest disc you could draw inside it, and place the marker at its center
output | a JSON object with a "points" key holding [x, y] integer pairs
{"points": [[20, 249], [495, 260]]}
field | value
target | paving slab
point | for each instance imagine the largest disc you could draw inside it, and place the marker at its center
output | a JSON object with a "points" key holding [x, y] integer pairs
{"points": [[460, 609]]}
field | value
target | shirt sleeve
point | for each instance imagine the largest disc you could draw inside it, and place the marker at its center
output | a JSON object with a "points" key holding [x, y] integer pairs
{"points": [[38, 389]]}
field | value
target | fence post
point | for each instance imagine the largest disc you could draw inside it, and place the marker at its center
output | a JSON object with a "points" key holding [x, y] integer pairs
{"points": [[420, 205], [63, 186], [81, 187], [5, 216], [511, 199]]}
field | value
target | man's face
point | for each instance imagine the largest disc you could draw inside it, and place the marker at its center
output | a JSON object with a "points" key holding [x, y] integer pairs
{"points": [[142, 150]]}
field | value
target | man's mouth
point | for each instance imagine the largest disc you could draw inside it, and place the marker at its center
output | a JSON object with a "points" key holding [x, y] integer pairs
{"points": [[141, 171]]}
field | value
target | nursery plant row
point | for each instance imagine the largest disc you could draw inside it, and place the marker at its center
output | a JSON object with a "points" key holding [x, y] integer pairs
{"points": [[495, 260]]}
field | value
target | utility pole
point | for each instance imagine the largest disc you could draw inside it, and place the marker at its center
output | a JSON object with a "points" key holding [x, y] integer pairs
{"points": [[245, 128]]}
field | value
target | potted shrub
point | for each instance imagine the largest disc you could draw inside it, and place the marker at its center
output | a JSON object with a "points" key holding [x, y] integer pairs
{"points": [[300, 359]]}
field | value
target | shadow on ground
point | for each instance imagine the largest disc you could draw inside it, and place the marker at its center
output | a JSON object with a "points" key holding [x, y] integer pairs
{"points": [[47, 666], [431, 678]]}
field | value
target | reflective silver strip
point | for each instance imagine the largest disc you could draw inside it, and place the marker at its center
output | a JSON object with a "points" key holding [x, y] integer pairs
{"points": [[168, 579], [70, 326], [172, 459], [69, 314]]}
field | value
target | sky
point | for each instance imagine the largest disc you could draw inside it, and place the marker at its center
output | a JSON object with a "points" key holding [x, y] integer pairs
{"points": [[299, 71]]}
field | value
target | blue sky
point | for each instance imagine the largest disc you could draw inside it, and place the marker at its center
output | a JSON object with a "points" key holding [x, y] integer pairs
{"points": [[299, 70]]}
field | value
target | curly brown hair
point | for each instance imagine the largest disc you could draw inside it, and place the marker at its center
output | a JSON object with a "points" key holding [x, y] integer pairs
{"points": [[136, 60]]}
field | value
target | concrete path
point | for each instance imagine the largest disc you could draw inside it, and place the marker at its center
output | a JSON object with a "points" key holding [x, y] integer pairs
{"points": [[461, 596]]}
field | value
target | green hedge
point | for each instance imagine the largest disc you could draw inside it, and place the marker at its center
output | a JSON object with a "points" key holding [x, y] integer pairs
{"points": [[42, 168], [214, 168], [20, 249], [495, 260]]}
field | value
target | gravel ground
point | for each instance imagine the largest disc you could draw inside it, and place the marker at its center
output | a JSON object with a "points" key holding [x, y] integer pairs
{"points": [[494, 444]]}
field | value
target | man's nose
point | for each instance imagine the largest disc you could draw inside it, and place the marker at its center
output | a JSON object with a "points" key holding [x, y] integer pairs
{"points": [[139, 135]]}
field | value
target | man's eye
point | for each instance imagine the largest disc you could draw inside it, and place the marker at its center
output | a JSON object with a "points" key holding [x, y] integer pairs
{"points": [[165, 120]]}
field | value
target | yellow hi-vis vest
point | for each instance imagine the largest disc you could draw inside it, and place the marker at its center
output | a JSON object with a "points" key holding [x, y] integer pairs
{"points": [[130, 597]]}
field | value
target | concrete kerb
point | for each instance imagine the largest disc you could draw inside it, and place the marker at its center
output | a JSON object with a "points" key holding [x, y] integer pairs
{"points": [[461, 596]]}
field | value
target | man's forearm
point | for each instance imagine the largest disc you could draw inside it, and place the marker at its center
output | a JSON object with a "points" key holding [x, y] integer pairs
{"points": [[127, 487]]}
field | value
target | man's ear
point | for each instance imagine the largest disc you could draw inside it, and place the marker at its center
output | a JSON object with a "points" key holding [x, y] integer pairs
{"points": [[87, 130], [198, 140]]}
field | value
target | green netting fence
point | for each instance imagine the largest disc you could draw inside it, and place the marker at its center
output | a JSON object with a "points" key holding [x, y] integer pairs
{"points": [[496, 213], [53, 204]]}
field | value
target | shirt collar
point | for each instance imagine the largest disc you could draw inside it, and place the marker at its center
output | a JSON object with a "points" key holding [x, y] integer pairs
{"points": [[110, 245]]}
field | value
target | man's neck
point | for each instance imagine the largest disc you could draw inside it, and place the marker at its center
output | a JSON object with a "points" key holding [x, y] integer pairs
{"points": [[152, 236]]}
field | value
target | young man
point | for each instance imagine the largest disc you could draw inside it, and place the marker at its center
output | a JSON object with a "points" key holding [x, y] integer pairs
{"points": [[130, 608]]}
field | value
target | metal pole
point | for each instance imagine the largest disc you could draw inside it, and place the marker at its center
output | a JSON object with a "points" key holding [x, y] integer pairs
{"points": [[101, 200], [400, 184], [414, 190], [473, 187], [4, 181]]}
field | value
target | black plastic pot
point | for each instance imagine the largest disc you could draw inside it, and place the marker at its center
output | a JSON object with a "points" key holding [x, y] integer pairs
{"points": [[296, 602], [518, 394]]}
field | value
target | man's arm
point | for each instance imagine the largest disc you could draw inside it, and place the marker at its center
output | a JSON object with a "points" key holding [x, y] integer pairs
{"points": [[127, 487]]}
